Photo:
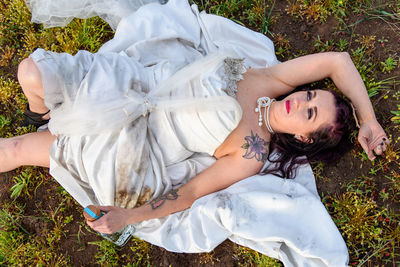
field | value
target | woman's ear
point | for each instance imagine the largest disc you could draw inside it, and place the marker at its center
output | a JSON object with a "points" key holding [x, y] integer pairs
{"points": [[304, 139]]}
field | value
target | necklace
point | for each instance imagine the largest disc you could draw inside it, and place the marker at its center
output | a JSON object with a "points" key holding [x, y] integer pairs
{"points": [[264, 102]]}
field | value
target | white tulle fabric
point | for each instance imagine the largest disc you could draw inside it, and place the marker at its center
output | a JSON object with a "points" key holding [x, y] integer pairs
{"points": [[281, 218], [88, 115], [59, 13]]}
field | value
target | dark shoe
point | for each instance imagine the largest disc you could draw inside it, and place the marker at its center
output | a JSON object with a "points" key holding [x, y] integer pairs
{"points": [[33, 118]]}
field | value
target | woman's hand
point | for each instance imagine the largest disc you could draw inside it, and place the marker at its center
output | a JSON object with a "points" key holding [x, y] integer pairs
{"points": [[372, 138], [114, 219]]}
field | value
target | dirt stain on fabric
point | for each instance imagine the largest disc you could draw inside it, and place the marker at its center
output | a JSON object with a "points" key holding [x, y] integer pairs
{"points": [[224, 200], [145, 196]]}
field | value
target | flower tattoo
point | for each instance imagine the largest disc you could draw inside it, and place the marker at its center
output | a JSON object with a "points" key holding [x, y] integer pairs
{"points": [[256, 147]]}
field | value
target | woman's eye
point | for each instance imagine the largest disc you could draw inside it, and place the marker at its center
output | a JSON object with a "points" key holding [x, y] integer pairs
{"points": [[308, 95], [310, 113]]}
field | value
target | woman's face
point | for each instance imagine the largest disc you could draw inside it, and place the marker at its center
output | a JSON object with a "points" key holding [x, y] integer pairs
{"points": [[304, 112]]}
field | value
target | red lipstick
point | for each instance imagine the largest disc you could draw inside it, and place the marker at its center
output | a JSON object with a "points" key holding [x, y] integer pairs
{"points": [[287, 106]]}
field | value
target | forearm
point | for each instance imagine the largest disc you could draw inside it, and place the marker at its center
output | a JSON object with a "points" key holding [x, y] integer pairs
{"points": [[350, 83], [173, 201]]}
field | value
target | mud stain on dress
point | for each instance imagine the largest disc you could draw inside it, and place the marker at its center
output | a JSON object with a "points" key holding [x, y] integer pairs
{"points": [[145, 196], [132, 164]]}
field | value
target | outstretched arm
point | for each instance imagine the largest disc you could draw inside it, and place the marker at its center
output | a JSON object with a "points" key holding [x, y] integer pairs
{"points": [[224, 172], [340, 68]]}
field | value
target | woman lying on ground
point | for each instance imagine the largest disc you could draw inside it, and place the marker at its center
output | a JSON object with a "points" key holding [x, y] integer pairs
{"points": [[131, 125], [311, 122]]}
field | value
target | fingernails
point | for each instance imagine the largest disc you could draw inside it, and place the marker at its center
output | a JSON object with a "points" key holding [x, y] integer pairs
{"points": [[384, 139], [381, 144]]}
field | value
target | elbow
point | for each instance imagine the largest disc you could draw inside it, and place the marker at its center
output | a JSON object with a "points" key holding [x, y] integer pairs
{"points": [[345, 55], [339, 62], [343, 58]]}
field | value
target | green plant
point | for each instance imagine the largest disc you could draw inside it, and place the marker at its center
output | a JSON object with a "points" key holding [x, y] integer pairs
{"points": [[10, 236], [342, 44], [141, 250], [253, 258], [254, 13], [18, 247], [387, 12], [317, 10], [107, 253], [356, 215], [282, 45], [366, 67], [4, 121], [389, 64], [11, 95], [22, 184], [310, 10], [208, 258], [373, 86], [267, 20], [321, 46], [318, 169], [396, 117]]}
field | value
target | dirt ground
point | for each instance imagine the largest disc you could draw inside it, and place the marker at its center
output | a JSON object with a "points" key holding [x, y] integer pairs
{"points": [[300, 34]]}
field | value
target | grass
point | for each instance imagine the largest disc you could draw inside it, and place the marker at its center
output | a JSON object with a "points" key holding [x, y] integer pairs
{"points": [[364, 204]]}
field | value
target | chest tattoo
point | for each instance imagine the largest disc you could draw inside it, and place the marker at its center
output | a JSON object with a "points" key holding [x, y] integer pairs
{"points": [[256, 147]]}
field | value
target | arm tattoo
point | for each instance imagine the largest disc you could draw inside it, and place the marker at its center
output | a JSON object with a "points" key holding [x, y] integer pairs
{"points": [[256, 147], [159, 201]]}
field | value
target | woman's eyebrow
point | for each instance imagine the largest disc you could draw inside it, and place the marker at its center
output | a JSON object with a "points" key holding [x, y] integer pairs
{"points": [[316, 113], [315, 108]]}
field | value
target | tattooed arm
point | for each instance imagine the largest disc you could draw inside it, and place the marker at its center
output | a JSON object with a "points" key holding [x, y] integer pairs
{"points": [[244, 161]]}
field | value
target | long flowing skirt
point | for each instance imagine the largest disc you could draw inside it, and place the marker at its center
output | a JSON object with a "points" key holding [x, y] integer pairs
{"points": [[281, 218]]}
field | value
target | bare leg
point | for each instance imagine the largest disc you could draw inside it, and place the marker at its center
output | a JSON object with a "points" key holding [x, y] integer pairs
{"points": [[28, 149], [30, 79]]}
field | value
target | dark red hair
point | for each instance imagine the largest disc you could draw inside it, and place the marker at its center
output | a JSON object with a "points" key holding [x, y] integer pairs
{"points": [[329, 143]]}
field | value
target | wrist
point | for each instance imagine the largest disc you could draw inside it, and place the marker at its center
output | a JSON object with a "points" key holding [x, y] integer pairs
{"points": [[367, 119], [363, 117], [131, 217]]}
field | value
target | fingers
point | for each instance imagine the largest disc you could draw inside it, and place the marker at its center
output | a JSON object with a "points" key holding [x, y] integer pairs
{"points": [[364, 144], [101, 225], [108, 223], [106, 208], [379, 149], [379, 145]]}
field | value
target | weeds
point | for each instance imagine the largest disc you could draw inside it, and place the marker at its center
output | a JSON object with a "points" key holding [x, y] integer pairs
{"points": [[316, 11], [141, 250], [389, 64], [107, 253], [253, 258], [282, 45], [22, 183], [365, 209], [17, 247], [321, 46], [367, 68], [396, 117], [357, 216]]}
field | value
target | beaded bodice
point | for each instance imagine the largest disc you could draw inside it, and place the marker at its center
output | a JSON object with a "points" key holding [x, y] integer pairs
{"points": [[234, 68]]}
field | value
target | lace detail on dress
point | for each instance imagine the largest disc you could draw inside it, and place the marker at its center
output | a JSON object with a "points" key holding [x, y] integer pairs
{"points": [[234, 68]]}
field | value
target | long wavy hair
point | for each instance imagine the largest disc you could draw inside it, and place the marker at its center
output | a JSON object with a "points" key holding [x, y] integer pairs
{"points": [[330, 142]]}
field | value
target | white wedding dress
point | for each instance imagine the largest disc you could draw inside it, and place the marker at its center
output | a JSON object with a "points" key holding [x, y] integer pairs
{"points": [[146, 113]]}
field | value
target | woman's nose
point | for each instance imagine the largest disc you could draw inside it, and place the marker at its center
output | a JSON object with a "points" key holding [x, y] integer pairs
{"points": [[299, 103]]}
